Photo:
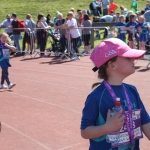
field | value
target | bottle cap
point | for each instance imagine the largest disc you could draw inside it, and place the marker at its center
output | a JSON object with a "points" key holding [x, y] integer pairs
{"points": [[117, 99]]}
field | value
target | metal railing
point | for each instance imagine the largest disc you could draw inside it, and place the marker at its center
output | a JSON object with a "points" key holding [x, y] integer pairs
{"points": [[50, 40]]}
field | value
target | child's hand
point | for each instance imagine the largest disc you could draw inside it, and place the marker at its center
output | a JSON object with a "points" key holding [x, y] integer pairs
{"points": [[114, 123], [5, 44]]}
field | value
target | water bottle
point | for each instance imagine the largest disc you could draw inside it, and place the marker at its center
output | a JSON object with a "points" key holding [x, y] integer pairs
{"points": [[117, 107], [115, 110]]}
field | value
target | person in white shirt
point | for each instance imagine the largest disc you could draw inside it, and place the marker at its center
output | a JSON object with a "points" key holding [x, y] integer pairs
{"points": [[71, 25]]}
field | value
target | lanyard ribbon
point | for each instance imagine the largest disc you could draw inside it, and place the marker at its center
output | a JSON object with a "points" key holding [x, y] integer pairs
{"points": [[128, 118], [1, 45]]}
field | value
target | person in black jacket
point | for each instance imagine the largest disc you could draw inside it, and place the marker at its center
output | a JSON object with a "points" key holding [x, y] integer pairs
{"points": [[16, 33]]}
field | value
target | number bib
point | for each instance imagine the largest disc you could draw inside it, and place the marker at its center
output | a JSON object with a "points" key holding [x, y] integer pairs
{"points": [[6, 53], [121, 137]]}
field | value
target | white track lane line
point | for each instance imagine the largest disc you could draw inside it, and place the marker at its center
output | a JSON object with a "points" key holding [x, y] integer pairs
{"points": [[27, 136], [35, 99]]}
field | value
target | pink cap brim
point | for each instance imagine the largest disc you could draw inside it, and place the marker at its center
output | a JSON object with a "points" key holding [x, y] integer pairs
{"points": [[133, 53]]}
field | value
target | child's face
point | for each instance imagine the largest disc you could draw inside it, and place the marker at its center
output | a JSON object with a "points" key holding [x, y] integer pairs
{"points": [[121, 19], [134, 19], [124, 66], [3, 39], [140, 20], [117, 14]]}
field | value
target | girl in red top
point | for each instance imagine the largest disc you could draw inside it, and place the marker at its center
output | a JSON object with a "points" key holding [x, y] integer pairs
{"points": [[112, 7]]}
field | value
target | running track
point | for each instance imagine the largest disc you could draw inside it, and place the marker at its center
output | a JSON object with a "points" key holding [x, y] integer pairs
{"points": [[43, 111]]}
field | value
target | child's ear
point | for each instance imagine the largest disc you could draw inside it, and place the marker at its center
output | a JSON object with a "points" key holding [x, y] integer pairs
{"points": [[111, 65]]}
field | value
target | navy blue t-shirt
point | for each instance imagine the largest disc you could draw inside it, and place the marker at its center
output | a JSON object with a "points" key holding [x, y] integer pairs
{"points": [[96, 106], [131, 25], [143, 26], [4, 63], [121, 24]]}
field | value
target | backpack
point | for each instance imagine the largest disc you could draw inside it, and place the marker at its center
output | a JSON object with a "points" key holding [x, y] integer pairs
{"points": [[21, 24], [91, 6]]}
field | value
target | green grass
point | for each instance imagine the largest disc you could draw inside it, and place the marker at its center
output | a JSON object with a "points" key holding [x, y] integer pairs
{"points": [[34, 7]]}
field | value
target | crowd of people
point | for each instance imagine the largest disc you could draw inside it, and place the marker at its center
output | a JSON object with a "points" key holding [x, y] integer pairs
{"points": [[75, 27], [133, 22]]}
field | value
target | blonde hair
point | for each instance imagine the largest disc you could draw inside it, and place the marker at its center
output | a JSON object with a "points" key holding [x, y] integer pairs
{"points": [[5, 34], [60, 14], [121, 17], [28, 16], [129, 13], [84, 11], [142, 17], [121, 7], [72, 9], [132, 16], [70, 13]]}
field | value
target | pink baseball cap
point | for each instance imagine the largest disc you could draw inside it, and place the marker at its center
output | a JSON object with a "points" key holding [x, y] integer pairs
{"points": [[110, 48]]}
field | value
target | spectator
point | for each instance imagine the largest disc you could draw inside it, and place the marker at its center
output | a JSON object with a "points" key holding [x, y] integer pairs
{"points": [[147, 7], [142, 12], [112, 7], [124, 11], [49, 21], [128, 15], [121, 31], [130, 27], [107, 18], [96, 8], [134, 6], [73, 10], [105, 6], [148, 2], [143, 30], [96, 19], [86, 33], [16, 33], [45, 21], [41, 34], [138, 13], [97, 36], [99, 2], [6, 23], [30, 24], [60, 26], [55, 19], [112, 13], [147, 16], [117, 17], [71, 25], [78, 18], [81, 19]]}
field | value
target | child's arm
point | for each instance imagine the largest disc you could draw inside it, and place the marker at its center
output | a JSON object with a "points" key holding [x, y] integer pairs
{"points": [[146, 130], [112, 124], [10, 47]]}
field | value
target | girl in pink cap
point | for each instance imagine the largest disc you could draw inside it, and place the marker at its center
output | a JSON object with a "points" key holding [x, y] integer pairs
{"points": [[114, 61]]}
